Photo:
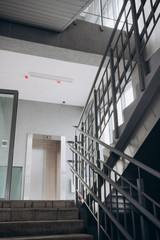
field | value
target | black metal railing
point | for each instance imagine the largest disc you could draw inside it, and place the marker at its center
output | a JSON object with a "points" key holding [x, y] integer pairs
{"points": [[121, 206], [124, 51]]}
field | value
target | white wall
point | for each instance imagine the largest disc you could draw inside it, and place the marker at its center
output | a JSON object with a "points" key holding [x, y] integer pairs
{"points": [[153, 45], [47, 119]]}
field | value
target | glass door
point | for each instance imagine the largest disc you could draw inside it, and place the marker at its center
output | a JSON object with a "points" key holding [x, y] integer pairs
{"points": [[8, 113]]}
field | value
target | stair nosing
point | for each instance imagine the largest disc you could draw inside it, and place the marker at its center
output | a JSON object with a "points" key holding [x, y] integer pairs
{"points": [[47, 236], [45, 221], [37, 208]]}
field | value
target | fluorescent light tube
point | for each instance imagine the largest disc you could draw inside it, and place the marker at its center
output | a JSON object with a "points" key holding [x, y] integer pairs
{"points": [[51, 77]]}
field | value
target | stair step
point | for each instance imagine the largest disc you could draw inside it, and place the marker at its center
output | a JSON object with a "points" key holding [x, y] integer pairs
{"points": [[36, 214], [29, 228], [37, 204], [56, 237]]}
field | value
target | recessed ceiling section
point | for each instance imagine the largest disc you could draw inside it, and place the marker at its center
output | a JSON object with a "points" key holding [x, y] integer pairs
{"points": [[54, 15]]}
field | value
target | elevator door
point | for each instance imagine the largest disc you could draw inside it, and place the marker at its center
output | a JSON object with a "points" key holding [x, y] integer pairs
{"points": [[45, 170]]}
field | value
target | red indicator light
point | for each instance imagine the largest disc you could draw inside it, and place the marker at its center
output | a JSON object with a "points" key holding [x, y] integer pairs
{"points": [[26, 77], [58, 81]]}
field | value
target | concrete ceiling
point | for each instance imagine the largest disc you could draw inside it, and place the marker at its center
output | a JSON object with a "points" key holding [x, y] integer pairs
{"points": [[15, 66], [19, 58], [54, 15]]}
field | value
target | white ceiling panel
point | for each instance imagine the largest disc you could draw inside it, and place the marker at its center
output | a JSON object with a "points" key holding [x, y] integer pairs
{"points": [[43, 76]]}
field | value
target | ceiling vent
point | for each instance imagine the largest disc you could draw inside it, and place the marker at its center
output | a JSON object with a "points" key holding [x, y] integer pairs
{"points": [[51, 77]]}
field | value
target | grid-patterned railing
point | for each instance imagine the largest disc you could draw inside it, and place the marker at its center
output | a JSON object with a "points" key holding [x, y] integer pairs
{"points": [[122, 207], [124, 51]]}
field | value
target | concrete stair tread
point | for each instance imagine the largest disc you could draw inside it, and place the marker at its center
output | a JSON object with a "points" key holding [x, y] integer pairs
{"points": [[79, 236], [36, 228], [37, 214], [44, 221], [40, 209], [33, 220], [36, 203]]}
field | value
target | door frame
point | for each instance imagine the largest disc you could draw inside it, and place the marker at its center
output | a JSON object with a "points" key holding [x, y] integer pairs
{"points": [[28, 163], [12, 139]]}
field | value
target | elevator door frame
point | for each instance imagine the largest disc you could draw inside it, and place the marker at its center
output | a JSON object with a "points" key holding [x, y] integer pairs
{"points": [[28, 165]]}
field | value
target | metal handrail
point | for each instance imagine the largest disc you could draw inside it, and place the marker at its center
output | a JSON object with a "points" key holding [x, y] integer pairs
{"points": [[104, 95], [103, 60], [119, 189], [137, 50], [123, 155], [123, 178], [102, 205], [146, 213]]}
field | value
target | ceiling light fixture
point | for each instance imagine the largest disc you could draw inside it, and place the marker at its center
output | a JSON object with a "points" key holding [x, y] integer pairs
{"points": [[58, 79]]}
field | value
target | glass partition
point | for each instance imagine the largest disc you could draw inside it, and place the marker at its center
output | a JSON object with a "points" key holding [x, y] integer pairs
{"points": [[102, 12], [8, 110]]}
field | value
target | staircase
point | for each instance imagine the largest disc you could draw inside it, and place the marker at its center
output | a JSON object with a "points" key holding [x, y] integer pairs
{"points": [[115, 186], [27, 220]]}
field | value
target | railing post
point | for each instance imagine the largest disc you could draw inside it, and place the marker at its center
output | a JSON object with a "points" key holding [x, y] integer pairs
{"points": [[139, 57], [96, 125], [101, 14], [76, 168], [99, 213], [115, 114], [82, 161], [95, 114], [144, 229]]}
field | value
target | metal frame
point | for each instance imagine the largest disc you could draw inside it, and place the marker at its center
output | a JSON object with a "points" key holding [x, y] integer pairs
{"points": [[101, 15], [138, 46], [122, 62], [12, 139], [132, 203], [121, 198]]}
